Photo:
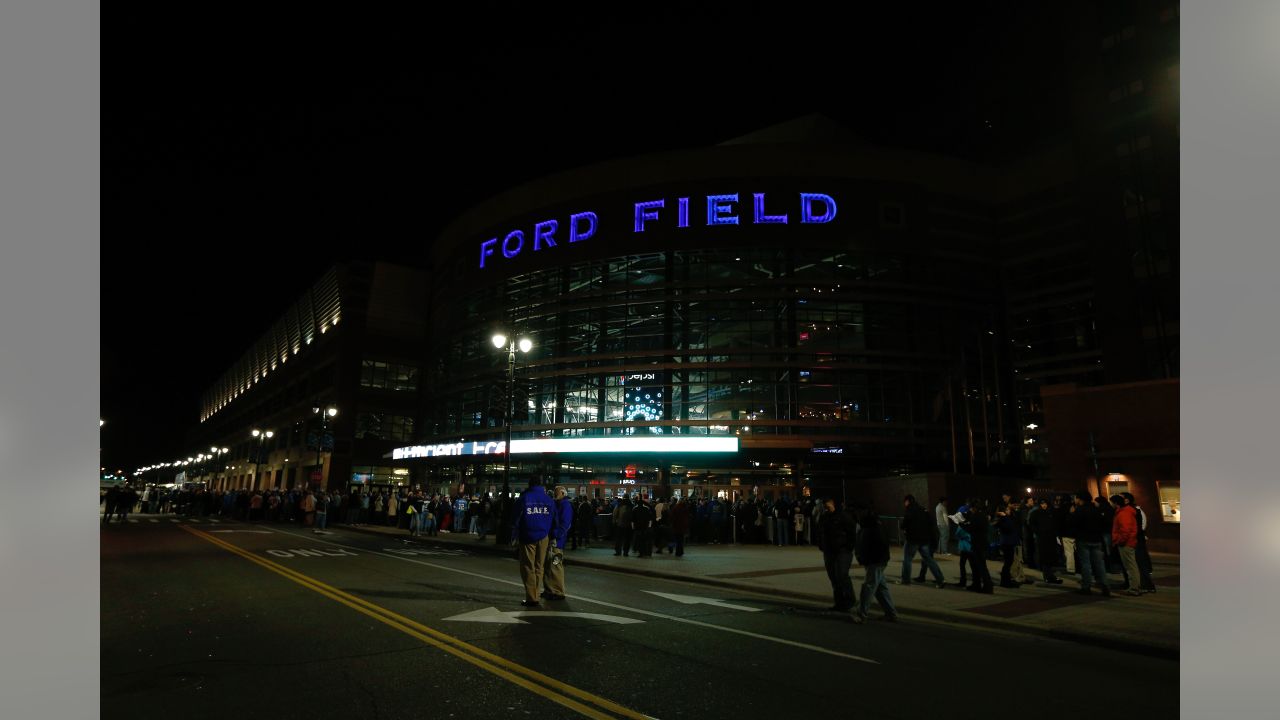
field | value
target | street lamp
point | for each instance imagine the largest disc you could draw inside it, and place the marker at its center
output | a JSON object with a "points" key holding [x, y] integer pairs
{"points": [[215, 454], [263, 436], [329, 412], [525, 345]]}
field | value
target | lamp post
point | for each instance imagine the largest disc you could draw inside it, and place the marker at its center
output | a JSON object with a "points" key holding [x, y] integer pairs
{"points": [[525, 345], [324, 416], [215, 454], [262, 437]]}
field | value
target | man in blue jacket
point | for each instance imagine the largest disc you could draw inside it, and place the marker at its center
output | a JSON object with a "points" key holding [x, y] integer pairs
{"points": [[533, 528], [554, 566]]}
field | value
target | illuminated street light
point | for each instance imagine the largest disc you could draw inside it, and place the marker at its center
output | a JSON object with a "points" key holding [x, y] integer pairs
{"points": [[262, 436], [525, 345]]}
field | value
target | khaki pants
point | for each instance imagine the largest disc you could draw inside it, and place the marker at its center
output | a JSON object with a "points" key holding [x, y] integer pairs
{"points": [[532, 557], [553, 576], [1129, 556]]}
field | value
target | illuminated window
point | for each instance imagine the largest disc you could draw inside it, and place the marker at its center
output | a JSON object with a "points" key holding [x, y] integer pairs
{"points": [[1170, 503], [1117, 485]]}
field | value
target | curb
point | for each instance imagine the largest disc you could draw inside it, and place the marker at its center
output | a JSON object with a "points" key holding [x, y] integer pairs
{"points": [[963, 618]]}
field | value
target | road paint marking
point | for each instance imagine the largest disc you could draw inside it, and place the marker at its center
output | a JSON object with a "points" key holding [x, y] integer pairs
{"points": [[693, 600], [132, 520], [494, 615], [615, 606], [295, 552], [250, 532], [214, 521], [154, 520], [441, 552], [171, 520], [535, 681]]}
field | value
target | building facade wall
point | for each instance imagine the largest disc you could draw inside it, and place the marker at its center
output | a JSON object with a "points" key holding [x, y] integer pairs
{"points": [[1117, 438]]}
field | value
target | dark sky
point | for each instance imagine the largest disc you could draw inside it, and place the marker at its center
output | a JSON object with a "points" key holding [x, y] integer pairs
{"points": [[241, 160]]}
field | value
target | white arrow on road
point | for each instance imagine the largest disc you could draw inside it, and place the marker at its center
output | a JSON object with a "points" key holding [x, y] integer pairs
{"points": [[494, 615], [692, 600], [253, 532]]}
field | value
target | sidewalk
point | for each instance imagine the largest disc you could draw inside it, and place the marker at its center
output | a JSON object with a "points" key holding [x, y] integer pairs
{"points": [[1146, 624]]}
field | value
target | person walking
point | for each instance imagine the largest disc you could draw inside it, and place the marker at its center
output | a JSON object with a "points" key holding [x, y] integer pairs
{"points": [[919, 530], [837, 533], [533, 527], [1124, 534], [553, 568], [871, 548]]}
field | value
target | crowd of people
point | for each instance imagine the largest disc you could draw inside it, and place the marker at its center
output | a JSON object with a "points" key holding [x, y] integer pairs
{"points": [[674, 521], [1076, 534], [1064, 534]]}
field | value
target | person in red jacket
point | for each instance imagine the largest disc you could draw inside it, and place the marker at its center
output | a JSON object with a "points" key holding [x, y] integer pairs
{"points": [[1124, 535]]}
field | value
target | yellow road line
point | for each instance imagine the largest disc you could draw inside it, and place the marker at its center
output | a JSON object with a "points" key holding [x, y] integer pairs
{"points": [[504, 668]]}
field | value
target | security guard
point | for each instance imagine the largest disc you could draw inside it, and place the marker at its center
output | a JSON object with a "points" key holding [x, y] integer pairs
{"points": [[554, 578], [533, 527]]}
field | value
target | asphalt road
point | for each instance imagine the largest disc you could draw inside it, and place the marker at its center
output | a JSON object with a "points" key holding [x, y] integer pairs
{"points": [[203, 620]]}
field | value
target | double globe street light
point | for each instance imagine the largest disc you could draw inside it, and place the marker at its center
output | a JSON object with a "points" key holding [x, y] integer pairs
{"points": [[322, 437], [262, 436], [500, 340]]}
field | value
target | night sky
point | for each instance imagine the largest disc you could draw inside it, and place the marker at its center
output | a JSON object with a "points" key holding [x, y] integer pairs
{"points": [[241, 160]]}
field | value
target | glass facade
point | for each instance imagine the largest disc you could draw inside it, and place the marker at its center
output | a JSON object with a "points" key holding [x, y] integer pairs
{"points": [[845, 350]]}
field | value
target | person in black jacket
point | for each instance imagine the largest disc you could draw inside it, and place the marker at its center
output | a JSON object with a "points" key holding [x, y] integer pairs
{"points": [[977, 524], [921, 533], [872, 551], [1086, 526], [642, 525], [836, 535], [1030, 507], [1044, 525]]}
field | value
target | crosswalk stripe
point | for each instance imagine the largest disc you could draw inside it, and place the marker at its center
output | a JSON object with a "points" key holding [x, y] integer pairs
{"points": [[132, 520], [154, 520]]}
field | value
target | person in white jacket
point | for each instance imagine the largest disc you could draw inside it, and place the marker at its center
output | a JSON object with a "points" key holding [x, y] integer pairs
{"points": [[944, 529]]}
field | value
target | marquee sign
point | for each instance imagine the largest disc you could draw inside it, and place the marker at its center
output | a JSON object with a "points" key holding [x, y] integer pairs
{"points": [[640, 444], [814, 208]]}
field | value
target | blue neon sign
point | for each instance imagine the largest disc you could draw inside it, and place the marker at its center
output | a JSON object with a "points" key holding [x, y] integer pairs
{"points": [[815, 209]]}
